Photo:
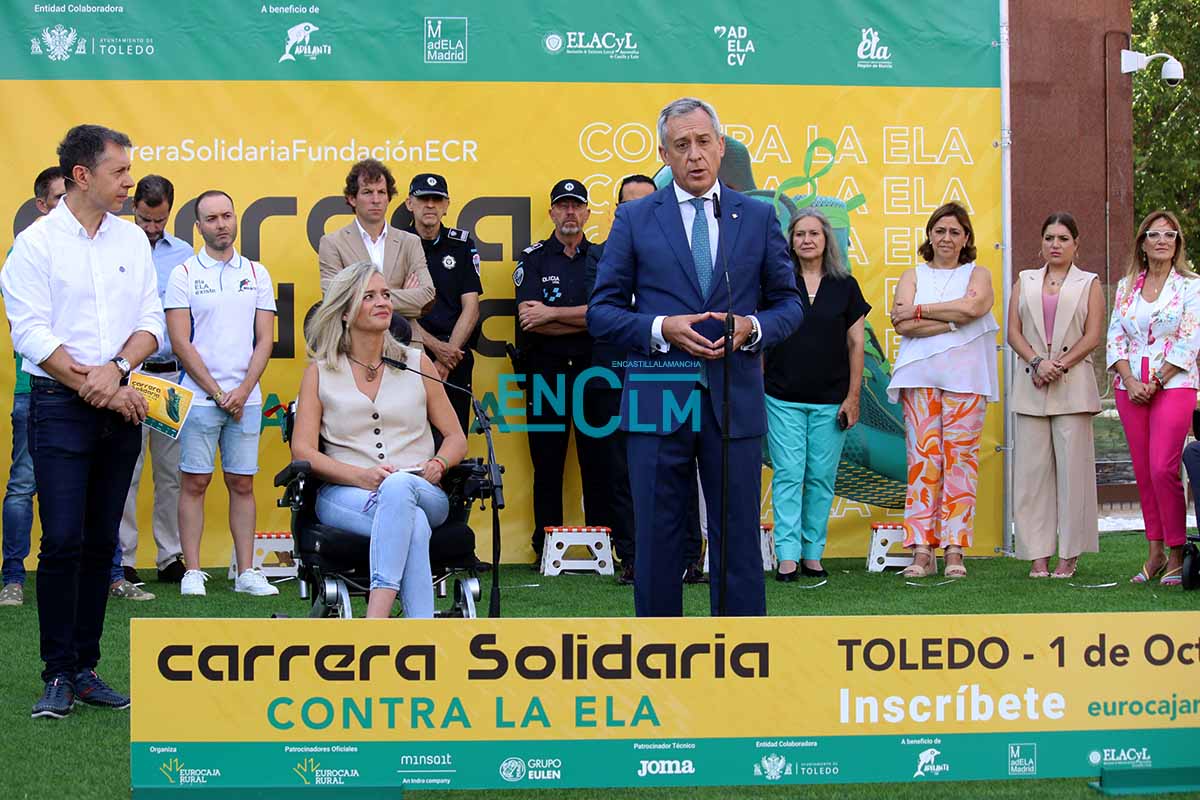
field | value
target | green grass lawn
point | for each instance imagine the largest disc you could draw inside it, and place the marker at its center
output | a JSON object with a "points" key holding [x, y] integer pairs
{"points": [[87, 755]]}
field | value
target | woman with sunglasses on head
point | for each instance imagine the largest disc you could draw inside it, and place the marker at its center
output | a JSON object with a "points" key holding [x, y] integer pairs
{"points": [[1055, 320], [1153, 340]]}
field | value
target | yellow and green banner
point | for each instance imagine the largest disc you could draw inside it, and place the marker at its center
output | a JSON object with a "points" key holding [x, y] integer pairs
{"points": [[888, 108], [545, 703]]}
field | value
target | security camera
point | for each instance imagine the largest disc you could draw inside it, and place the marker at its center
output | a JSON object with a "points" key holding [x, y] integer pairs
{"points": [[1172, 72]]}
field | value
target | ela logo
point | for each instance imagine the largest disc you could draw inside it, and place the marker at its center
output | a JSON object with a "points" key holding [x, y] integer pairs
{"points": [[445, 40], [1022, 759], [872, 55]]}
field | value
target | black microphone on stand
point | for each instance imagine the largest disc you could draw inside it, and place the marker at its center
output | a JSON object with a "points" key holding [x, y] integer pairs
{"points": [[723, 577], [494, 473]]}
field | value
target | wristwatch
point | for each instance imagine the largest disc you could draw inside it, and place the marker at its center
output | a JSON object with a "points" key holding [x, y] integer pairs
{"points": [[122, 365]]}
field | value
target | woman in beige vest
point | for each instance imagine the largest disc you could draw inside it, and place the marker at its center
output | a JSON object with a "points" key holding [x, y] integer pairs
{"points": [[363, 425], [1055, 319]]}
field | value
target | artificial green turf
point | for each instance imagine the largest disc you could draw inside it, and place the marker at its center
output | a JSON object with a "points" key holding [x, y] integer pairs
{"points": [[87, 755]]}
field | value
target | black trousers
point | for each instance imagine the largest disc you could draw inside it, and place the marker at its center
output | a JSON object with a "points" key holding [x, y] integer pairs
{"points": [[614, 504], [551, 413], [83, 460], [461, 376]]}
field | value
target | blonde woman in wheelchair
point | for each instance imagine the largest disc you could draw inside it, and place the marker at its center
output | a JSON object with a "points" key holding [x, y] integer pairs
{"points": [[363, 424]]}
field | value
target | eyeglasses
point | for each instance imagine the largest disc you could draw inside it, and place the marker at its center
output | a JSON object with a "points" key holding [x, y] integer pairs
{"points": [[1168, 235]]}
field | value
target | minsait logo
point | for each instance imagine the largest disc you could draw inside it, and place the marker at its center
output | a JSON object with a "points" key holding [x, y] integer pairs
{"points": [[667, 766], [1022, 759], [773, 767], [618, 46], [299, 44], [871, 54], [58, 43], [927, 763], [445, 40]]}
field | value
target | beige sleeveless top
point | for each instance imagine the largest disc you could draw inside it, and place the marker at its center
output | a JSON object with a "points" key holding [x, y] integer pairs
{"points": [[394, 429]]}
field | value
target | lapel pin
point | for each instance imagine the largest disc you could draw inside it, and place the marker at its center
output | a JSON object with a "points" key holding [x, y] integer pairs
{"points": [[734, 215]]}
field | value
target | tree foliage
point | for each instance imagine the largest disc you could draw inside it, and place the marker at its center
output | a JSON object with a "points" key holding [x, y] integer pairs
{"points": [[1166, 120]]}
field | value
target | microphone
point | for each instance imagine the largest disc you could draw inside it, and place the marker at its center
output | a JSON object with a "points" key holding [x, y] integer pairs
{"points": [[723, 577], [494, 473], [716, 198]]}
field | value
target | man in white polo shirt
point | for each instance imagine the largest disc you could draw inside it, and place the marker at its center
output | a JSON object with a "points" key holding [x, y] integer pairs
{"points": [[220, 310]]}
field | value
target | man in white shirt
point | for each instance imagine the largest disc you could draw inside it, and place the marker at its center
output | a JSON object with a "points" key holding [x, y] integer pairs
{"points": [[369, 189], [79, 289], [221, 317]]}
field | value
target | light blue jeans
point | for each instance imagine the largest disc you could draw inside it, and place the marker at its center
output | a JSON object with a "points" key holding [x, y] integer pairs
{"points": [[399, 519], [805, 444]]}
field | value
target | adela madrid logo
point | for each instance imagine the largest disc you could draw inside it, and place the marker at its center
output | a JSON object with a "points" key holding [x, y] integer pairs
{"points": [[871, 54]]}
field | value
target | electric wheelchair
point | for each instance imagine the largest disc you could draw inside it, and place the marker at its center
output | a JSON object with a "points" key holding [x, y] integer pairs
{"points": [[333, 565]]}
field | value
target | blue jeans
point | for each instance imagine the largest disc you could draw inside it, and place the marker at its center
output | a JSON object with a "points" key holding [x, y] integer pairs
{"points": [[399, 518], [18, 497], [83, 461]]}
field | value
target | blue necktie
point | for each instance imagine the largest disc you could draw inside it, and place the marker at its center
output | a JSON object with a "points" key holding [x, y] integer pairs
{"points": [[701, 255], [702, 260]]}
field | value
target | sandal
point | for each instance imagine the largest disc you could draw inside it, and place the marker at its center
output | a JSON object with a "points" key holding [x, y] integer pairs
{"points": [[1066, 568], [1173, 577], [1034, 572], [958, 570], [921, 570], [1145, 575]]}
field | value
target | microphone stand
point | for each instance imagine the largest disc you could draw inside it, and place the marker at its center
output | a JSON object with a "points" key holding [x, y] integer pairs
{"points": [[723, 578], [494, 472]]}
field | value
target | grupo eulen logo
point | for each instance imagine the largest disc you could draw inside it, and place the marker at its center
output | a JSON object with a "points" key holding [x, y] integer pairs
{"points": [[512, 769]]}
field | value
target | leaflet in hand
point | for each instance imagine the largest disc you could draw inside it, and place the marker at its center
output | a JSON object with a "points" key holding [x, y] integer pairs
{"points": [[169, 403]]}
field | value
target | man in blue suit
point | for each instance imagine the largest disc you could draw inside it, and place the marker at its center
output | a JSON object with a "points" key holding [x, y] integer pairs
{"points": [[661, 293]]}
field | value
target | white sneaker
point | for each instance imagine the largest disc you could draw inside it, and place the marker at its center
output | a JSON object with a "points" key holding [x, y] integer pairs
{"points": [[254, 582], [193, 583]]}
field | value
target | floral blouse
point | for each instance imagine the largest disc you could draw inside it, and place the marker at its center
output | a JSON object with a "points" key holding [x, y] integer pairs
{"points": [[1174, 332]]}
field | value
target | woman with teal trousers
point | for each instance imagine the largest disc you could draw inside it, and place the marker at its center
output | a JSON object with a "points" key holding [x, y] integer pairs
{"points": [[813, 381]]}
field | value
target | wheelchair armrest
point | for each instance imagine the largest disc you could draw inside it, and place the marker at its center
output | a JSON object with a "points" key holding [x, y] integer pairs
{"points": [[294, 470]]}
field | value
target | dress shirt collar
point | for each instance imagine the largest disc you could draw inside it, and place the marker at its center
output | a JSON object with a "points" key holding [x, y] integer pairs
{"points": [[62, 215], [682, 195], [366, 237]]}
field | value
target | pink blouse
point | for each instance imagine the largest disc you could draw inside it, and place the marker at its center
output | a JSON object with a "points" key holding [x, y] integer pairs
{"points": [[1049, 309]]}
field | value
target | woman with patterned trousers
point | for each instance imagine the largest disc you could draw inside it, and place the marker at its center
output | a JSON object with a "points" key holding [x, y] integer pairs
{"points": [[945, 374], [1153, 340], [813, 380], [1055, 320]]}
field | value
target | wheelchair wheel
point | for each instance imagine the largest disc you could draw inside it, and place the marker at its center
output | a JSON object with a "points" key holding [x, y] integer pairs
{"points": [[1191, 566], [466, 593], [331, 598]]}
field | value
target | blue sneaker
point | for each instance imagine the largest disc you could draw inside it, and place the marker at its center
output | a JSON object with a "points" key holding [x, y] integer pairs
{"points": [[57, 700], [90, 688]]}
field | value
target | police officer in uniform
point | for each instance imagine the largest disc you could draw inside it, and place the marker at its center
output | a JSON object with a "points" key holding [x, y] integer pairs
{"points": [[554, 347], [449, 328]]}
